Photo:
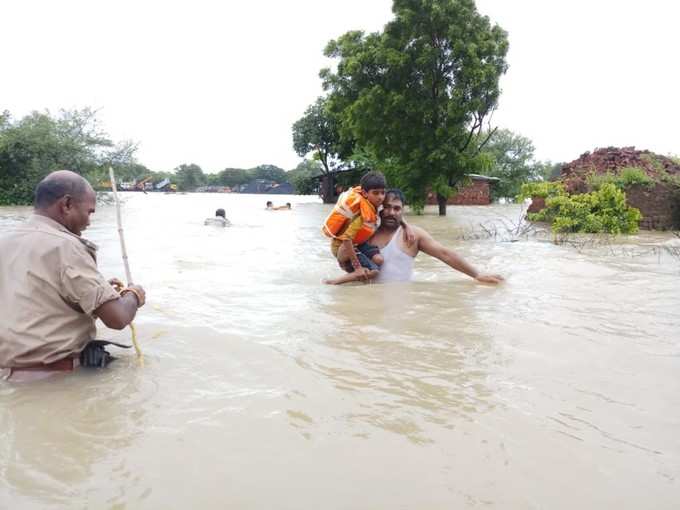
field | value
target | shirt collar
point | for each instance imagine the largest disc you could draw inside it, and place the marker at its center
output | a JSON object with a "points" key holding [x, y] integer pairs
{"points": [[50, 223]]}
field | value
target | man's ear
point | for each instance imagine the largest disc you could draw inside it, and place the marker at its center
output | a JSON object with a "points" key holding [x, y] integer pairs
{"points": [[65, 203]]}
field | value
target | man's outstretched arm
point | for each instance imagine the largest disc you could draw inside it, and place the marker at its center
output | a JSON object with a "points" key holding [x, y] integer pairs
{"points": [[435, 249]]}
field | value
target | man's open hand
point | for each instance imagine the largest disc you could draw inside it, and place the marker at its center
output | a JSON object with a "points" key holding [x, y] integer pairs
{"points": [[490, 278]]}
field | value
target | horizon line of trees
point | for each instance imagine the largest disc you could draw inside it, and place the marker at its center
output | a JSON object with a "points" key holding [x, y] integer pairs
{"points": [[38, 143]]}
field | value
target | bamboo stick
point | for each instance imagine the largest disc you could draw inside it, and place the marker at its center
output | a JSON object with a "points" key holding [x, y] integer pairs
{"points": [[120, 227], [126, 263]]}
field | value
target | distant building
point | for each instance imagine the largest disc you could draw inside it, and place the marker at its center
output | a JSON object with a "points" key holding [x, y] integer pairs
{"points": [[285, 188], [256, 186], [264, 186], [477, 192], [213, 189]]}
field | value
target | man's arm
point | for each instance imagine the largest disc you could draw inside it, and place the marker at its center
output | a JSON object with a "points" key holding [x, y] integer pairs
{"points": [[435, 249], [83, 284], [118, 313]]}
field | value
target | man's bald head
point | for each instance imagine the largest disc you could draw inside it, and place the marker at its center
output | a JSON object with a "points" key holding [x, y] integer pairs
{"points": [[59, 184]]}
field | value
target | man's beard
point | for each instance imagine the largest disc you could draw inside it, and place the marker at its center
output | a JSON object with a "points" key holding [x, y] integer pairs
{"points": [[390, 223]]}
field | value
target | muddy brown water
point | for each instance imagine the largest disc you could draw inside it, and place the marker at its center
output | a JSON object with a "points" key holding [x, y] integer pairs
{"points": [[263, 388]]}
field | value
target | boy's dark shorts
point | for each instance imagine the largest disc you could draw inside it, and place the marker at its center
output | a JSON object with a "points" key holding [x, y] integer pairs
{"points": [[364, 253]]}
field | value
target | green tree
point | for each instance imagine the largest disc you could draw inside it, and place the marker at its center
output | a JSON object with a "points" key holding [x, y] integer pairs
{"points": [[40, 143], [5, 118], [212, 180], [302, 177], [233, 177], [316, 132], [512, 160], [269, 173], [189, 177], [417, 93]]}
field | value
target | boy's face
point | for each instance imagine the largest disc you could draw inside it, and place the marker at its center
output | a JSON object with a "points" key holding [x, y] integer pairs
{"points": [[375, 196]]}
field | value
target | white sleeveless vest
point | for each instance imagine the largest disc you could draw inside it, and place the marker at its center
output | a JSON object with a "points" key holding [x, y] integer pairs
{"points": [[398, 266]]}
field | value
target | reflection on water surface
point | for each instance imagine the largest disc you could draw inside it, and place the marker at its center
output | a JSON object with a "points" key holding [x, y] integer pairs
{"points": [[263, 388]]}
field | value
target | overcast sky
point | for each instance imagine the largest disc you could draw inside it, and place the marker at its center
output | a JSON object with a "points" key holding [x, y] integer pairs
{"points": [[220, 83]]}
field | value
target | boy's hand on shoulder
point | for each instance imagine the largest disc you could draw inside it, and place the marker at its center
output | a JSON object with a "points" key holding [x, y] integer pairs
{"points": [[409, 234]]}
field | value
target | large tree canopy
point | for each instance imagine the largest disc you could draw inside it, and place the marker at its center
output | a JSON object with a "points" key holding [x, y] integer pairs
{"points": [[316, 132], [417, 94]]}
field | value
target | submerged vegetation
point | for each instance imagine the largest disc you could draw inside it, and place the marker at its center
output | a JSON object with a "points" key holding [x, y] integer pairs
{"points": [[601, 211]]}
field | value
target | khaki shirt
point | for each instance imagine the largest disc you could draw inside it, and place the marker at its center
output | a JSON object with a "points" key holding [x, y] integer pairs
{"points": [[49, 289]]}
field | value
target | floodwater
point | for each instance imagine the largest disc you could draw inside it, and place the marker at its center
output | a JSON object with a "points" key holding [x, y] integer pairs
{"points": [[263, 388]]}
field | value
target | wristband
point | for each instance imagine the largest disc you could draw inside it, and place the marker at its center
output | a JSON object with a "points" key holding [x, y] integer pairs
{"points": [[137, 296]]}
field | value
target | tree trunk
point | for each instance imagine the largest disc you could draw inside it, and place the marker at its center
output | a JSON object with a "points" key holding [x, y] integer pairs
{"points": [[329, 193], [441, 201]]}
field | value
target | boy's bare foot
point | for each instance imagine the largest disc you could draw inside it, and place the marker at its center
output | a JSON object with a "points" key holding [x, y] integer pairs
{"points": [[361, 274]]}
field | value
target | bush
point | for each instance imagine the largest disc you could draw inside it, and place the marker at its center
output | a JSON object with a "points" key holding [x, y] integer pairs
{"points": [[628, 176], [602, 211], [540, 189], [634, 175]]}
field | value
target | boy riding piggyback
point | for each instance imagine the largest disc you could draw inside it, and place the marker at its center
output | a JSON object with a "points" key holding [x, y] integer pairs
{"points": [[351, 223]]}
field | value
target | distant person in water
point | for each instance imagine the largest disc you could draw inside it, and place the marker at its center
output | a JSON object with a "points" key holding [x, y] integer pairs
{"points": [[270, 207], [399, 257], [220, 219]]}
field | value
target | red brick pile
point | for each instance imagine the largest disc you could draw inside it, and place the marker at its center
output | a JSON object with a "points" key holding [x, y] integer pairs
{"points": [[574, 175], [659, 204]]}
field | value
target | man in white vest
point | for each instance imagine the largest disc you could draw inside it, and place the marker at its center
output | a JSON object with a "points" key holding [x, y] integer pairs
{"points": [[398, 264]]}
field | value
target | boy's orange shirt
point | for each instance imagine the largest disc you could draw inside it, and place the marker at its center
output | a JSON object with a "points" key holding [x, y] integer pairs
{"points": [[353, 217]]}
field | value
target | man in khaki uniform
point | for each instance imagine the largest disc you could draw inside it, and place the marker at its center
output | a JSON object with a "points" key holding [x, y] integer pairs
{"points": [[51, 292]]}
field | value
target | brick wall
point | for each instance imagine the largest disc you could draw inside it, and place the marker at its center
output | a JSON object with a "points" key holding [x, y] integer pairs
{"points": [[477, 193], [658, 205], [537, 205]]}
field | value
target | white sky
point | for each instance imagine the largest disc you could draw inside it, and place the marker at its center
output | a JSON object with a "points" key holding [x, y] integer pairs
{"points": [[220, 83]]}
